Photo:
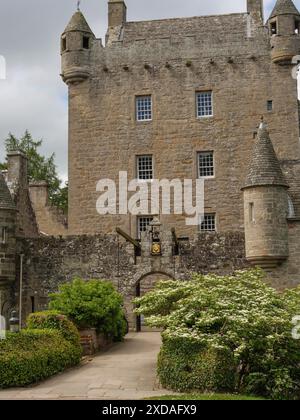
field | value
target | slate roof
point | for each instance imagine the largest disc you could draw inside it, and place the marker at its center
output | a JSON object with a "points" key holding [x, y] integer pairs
{"points": [[264, 168], [284, 7], [78, 23]]}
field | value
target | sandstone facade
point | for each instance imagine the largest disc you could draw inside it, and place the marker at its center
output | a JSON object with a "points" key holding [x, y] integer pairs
{"points": [[172, 60], [50, 220], [247, 65]]}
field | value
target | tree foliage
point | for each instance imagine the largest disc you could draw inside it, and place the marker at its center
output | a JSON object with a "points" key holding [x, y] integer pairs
{"points": [[92, 304], [236, 319], [40, 168]]}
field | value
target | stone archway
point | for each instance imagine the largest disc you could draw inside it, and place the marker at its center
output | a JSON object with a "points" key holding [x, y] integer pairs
{"points": [[145, 284]]}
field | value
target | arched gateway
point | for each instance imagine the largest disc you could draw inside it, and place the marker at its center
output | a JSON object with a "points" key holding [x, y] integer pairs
{"points": [[143, 286], [156, 261]]}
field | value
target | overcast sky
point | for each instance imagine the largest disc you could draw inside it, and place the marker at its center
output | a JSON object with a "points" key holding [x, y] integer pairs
{"points": [[33, 96]]}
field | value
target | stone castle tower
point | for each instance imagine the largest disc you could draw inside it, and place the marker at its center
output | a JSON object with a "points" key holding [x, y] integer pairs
{"points": [[180, 99]]}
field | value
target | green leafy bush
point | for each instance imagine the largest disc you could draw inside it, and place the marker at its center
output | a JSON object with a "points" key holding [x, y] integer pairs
{"points": [[53, 320], [184, 364], [35, 354], [229, 333], [92, 304]]}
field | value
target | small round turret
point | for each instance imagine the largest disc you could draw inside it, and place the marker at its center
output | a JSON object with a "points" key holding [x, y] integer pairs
{"points": [[265, 206], [284, 28], [76, 42]]}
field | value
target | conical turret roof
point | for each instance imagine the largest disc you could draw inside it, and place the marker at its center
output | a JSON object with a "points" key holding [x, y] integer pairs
{"points": [[264, 167], [78, 23], [284, 7], [6, 201]]}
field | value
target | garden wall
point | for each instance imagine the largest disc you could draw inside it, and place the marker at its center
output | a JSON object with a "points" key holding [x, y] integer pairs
{"points": [[50, 261]]}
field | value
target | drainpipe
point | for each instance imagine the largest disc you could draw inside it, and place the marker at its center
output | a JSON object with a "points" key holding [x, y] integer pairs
{"points": [[21, 291]]}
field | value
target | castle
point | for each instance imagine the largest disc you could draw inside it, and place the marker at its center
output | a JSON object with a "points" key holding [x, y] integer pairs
{"points": [[171, 99]]}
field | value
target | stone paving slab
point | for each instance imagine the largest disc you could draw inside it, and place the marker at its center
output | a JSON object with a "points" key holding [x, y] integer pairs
{"points": [[125, 372]]}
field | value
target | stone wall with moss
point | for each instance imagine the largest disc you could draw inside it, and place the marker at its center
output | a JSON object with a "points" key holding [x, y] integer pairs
{"points": [[49, 262]]}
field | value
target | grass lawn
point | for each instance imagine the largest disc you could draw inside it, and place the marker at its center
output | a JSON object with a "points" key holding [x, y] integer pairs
{"points": [[208, 397]]}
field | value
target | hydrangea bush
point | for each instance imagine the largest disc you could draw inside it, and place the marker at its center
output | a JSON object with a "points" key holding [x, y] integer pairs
{"points": [[229, 333]]}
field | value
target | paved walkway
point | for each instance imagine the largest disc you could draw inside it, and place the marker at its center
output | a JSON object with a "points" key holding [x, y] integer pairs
{"points": [[126, 371]]}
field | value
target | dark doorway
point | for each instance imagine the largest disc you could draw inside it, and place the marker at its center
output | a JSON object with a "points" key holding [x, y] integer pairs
{"points": [[145, 285]]}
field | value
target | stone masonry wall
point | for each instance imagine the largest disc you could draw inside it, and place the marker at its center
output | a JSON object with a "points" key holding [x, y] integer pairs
{"points": [[288, 274], [49, 262], [50, 219], [230, 55]]}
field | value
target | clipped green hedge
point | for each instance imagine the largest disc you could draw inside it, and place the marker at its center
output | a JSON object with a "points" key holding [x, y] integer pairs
{"points": [[184, 364], [35, 354], [53, 320]]}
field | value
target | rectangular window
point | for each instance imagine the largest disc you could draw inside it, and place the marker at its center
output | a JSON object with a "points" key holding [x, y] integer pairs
{"points": [[86, 42], [144, 108], [273, 28], [204, 104], [251, 212], [145, 167], [4, 235], [206, 165], [143, 223], [64, 44], [270, 106], [32, 298], [209, 223]]}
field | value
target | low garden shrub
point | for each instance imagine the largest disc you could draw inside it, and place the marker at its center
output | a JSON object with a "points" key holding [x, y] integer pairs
{"points": [[53, 320], [231, 333], [35, 354], [92, 304]]}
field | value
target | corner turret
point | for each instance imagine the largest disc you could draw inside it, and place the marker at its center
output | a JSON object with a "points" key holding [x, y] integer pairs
{"points": [[76, 42], [265, 206], [284, 29]]}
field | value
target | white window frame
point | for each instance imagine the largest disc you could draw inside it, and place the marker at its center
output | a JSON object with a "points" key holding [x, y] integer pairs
{"points": [[198, 165], [138, 225], [215, 223], [138, 168], [198, 94], [143, 97]]}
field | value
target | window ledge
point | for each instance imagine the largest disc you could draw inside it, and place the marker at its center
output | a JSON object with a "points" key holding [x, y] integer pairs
{"points": [[205, 118], [207, 177]]}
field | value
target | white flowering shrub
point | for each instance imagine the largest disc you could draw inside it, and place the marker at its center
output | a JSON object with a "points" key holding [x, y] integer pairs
{"points": [[230, 333]]}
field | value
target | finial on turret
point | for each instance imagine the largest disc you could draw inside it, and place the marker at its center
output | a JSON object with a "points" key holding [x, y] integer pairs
{"points": [[78, 5]]}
